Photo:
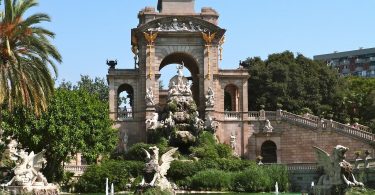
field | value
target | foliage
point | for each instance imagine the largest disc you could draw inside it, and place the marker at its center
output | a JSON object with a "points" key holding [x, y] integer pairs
{"points": [[118, 172], [136, 152], [360, 191], [207, 148], [211, 180], [26, 57], [228, 174], [96, 86], [359, 100], [295, 82], [76, 121], [156, 191]]}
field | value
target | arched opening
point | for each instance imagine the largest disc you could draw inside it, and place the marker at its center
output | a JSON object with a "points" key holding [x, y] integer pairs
{"points": [[168, 69], [125, 102], [269, 152], [231, 98]]}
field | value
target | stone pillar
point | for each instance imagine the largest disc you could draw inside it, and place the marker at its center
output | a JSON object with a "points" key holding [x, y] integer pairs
{"points": [[278, 114], [112, 99], [78, 159]]}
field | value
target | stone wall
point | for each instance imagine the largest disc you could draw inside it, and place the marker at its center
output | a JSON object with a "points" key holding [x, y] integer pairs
{"points": [[295, 142]]}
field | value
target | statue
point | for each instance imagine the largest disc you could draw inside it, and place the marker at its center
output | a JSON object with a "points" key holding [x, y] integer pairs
{"points": [[211, 123], [125, 141], [268, 127], [169, 121], [156, 170], [153, 122], [210, 98], [27, 170], [338, 174], [149, 97], [27, 176], [180, 68], [233, 140]]}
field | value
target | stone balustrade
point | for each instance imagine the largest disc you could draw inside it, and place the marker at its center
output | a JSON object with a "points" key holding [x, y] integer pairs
{"points": [[78, 170], [125, 114], [253, 115], [311, 121], [302, 167], [229, 115]]}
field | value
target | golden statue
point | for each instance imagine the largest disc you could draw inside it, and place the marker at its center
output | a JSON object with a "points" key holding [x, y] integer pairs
{"points": [[208, 37], [150, 37]]}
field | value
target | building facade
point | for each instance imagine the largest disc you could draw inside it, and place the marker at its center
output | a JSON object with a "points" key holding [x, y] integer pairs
{"points": [[176, 34], [357, 62]]}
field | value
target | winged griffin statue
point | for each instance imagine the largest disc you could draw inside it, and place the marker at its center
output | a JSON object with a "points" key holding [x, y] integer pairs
{"points": [[156, 169], [338, 173], [27, 170]]}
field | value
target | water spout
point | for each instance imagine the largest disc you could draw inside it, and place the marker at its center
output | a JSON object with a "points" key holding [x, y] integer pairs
{"points": [[276, 188], [112, 189], [106, 186]]}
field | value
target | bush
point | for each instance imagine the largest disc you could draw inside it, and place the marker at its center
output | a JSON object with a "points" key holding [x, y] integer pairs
{"points": [[224, 151], [211, 180], [118, 172], [156, 191], [279, 174], [253, 179], [136, 152]]}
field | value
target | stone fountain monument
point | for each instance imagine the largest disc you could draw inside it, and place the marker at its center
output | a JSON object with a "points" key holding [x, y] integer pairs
{"points": [[180, 118], [27, 176]]}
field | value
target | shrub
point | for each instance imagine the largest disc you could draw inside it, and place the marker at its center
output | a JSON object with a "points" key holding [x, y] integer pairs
{"points": [[211, 180], [279, 174], [253, 179], [156, 191], [118, 172], [136, 152]]}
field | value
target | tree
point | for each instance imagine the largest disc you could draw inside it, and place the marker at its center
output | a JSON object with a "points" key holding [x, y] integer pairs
{"points": [[295, 82], [96, 86], [76, 121], [359, 99], [26, 56]]}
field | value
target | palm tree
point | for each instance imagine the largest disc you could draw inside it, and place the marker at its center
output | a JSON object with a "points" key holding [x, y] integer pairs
{"points": [[27, 58]]}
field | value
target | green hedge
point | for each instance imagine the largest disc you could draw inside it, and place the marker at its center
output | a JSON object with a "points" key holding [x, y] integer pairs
{"points": [[117, 172], [211, 180], [242, 175]]}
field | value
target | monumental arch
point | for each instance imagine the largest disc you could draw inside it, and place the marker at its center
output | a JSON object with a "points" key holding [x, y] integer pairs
{"points": [[175, 33]]}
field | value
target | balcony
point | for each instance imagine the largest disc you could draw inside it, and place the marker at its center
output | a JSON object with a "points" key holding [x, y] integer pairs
{"points": [[360, 60], [125, 114], [345, 62]]}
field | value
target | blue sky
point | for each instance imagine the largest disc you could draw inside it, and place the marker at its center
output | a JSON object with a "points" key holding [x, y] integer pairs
{"points": [[89, 32]]}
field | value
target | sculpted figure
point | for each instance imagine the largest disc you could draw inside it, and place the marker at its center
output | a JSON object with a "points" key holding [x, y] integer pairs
{"points": [[210, 98], [156, 170], [338, 174], [153, 122], [233, 139], [149, 97], [27, 170], [268, 127], [169, 121]]}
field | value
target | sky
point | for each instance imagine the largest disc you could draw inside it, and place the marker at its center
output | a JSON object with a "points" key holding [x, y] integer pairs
{"points": [[90, 32]]}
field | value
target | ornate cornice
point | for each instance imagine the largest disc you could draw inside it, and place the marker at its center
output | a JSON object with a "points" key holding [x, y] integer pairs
{"points": [[178, 24]]}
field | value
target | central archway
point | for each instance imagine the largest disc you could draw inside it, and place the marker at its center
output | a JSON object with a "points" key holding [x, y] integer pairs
{"points": [[269, 152], [191, 64]]}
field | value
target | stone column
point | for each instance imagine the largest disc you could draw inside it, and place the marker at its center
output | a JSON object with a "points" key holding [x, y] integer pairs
{"points": [[112, 98]]}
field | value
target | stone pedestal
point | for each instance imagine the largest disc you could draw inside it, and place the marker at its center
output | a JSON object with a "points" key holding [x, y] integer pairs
{"points": [[34, 190]]}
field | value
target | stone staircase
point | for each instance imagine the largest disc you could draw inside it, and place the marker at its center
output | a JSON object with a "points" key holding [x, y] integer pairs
{"points": [[310, 121]]}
